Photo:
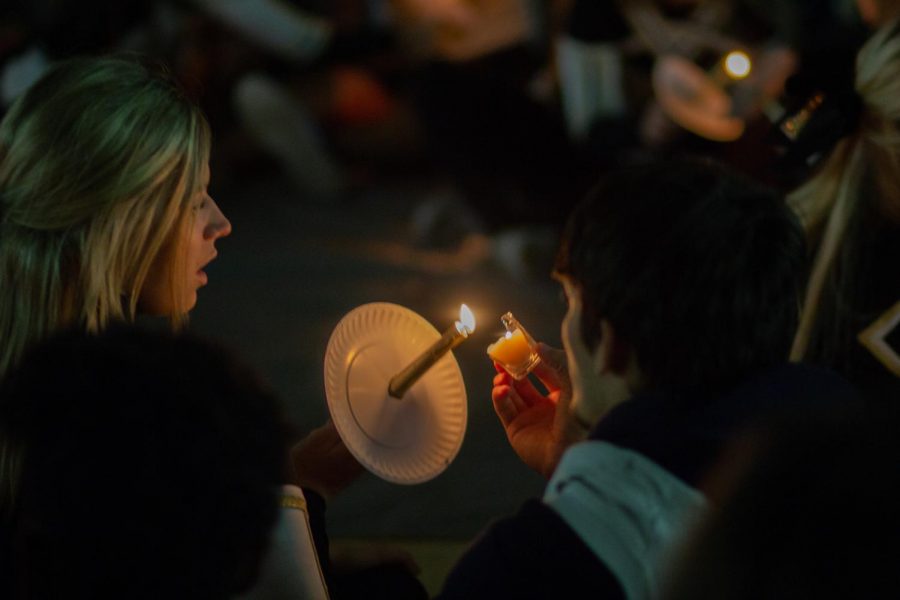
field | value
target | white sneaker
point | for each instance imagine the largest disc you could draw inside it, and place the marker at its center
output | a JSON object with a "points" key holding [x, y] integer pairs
{"points": [[283, 127]]}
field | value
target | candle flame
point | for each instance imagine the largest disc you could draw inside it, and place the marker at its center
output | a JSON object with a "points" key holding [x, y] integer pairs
{"points": [[737, 64], [466, 319]]}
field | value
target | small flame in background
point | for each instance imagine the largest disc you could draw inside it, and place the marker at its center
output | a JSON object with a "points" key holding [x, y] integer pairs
{"points": [[737, 64]]}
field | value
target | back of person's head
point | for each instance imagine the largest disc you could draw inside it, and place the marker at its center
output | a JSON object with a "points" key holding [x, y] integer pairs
{"points": [[698, 269], [853, 195], [804, 507], [150, 469], [99, 160]]}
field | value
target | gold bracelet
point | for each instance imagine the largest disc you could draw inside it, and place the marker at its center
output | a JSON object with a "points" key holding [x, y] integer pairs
{"points": [[293, 502]]}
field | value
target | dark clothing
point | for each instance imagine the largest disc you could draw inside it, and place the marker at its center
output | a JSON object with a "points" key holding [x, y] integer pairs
{"points": [[532, 554], [386, 580], [507, 152], [535, 554], [868, 265], [315, 507], [686, 437]]}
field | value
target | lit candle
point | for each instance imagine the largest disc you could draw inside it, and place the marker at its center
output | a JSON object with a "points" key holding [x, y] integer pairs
{"points": [[451, 338], [514, 351], [737, 64], [734, 66]]}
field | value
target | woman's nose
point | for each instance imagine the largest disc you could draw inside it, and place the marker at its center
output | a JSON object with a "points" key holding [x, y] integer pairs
{"points": [[219, 226]]}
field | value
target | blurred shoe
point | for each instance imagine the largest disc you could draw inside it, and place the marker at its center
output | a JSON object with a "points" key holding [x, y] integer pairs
{"points": [[444, 220], [525, 253], [284, 129]]}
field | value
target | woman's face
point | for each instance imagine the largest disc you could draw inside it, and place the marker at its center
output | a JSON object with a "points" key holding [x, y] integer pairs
{"points": [[207, 225]]}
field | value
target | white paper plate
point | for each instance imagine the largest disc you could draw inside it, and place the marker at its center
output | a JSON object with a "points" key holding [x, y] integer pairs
{"points": [[404, 441]]}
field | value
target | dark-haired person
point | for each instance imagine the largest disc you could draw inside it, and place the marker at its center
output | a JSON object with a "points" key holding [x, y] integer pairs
{"points": [[682, 282], [151, 468]]}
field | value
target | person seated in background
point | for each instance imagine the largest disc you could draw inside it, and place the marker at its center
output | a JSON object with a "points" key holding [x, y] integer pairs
{"points": [[609, 50], [806, 508], [151, 469], [683, 283], [848, 126]]}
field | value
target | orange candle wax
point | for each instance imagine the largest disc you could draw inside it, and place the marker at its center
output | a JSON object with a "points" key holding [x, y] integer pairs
{"points": [[511, 349], [514, 351]]}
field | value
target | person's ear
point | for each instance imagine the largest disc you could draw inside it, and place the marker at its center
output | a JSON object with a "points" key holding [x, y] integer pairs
{"points": [[612, 355]]}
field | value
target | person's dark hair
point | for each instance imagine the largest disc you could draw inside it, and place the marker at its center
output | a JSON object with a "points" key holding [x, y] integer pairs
{"points": [[805, 507], [698, 269], [151, 465]]}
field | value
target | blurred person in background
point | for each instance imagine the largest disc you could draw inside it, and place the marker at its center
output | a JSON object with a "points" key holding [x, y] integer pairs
{"points": [[37, 33], [802, 507], [151, 468], [848, 126], [490, 119], [609, 55]]}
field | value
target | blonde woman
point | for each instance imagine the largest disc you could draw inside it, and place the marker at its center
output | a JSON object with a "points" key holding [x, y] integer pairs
{"points": [[851, 211], [104, 210], [104, 215]]}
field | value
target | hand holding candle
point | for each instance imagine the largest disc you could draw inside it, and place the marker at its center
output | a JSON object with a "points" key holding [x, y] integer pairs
{"points": [[451, 338]]}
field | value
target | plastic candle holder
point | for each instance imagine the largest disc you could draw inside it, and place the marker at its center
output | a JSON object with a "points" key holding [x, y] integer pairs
{"points": [[515, 349]]}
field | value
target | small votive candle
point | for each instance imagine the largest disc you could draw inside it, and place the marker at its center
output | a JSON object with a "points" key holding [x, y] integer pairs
{"points": [[515, 349]]}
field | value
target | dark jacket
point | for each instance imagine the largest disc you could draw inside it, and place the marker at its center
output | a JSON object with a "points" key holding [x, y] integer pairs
{"points": [[535, 554]]}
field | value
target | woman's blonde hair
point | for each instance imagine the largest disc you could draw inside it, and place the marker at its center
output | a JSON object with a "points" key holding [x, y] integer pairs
{"points": [[99, 160], [857, 187]]}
